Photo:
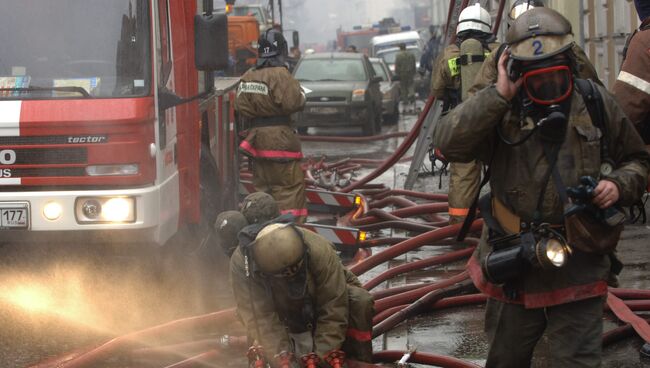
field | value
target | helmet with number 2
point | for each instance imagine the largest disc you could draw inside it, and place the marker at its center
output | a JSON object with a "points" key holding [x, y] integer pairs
{"points": [[539, 34]]}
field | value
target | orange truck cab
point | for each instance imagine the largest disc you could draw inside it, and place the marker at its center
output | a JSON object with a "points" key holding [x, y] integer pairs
{"points": [[243, 33], [111, 127]]}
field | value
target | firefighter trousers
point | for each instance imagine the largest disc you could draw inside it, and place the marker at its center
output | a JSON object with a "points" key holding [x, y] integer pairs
{"points": [[464, 182], [573, 332], [358, 339], [285, 181]]}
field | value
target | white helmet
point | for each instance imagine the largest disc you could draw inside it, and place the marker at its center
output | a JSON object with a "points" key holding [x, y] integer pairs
{"points": [[474, 18]]}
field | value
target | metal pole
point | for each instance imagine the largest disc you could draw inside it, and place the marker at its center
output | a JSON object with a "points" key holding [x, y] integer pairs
{"points": [[280, 12]]}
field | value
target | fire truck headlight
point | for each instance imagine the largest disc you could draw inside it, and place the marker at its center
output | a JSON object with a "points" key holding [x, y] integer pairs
{"points": [[52, 211], [111, 170], [105, 210], [118, 210]]}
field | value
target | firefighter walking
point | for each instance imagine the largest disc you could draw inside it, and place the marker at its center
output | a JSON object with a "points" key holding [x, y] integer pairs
{"points": [[534, 129], [295, 297], [454, 73], [405, 69], [266, 97]]}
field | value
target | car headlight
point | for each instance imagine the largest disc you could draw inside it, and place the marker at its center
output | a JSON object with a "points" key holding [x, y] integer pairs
{"points": [[105, 209], [358, 95]]}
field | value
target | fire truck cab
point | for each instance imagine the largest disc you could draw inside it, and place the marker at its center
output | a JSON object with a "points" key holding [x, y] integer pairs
{"points": [[110, 127]]}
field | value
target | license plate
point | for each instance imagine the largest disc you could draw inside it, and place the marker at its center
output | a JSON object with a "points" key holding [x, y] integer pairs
{"points": [[14, 215], [324, 110]]}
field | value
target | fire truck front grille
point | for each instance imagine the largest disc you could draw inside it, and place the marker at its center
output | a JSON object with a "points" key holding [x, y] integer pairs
{"points": [[43, 156]]}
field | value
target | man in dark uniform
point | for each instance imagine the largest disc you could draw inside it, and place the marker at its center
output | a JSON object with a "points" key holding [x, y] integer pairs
{"points": [[294, 296], [531, 169], [266, 97]]}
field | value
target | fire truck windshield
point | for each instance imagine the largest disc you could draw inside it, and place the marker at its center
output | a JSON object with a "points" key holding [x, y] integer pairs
{"points": [[60, 48]]}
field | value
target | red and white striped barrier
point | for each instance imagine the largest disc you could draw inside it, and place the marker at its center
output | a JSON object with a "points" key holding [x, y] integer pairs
{"points": [[317, 200], [342, 237]]}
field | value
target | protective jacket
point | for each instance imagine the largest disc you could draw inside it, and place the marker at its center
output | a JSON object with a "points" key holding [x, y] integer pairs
{"points": [[464, 178], [270, 313], [469, 132], [487, 75], [632, 87], [265, 99], [445, 81], [405, 65]]}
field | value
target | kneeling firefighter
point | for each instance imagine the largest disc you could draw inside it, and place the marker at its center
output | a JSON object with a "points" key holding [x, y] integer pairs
{"points": [[297, 300], [266, 97], [543, 259], [451, 80]]}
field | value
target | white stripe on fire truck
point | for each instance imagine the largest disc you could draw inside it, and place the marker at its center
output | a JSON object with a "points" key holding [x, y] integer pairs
{"points": [[10, 118], [10, 181]]}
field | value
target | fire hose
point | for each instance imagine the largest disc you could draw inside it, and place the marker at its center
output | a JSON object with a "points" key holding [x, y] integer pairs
{"points": [[421, 305], [390, 356], [410, 244]]}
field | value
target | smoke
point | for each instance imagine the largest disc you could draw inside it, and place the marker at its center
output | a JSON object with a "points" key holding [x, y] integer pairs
{"points": [[317, 20]]}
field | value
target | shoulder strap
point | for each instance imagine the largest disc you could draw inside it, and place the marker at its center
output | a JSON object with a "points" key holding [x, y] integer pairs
{"points": [[596, 108]]}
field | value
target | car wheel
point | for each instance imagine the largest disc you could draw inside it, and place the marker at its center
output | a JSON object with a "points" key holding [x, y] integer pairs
{"points": [[371, 127]]}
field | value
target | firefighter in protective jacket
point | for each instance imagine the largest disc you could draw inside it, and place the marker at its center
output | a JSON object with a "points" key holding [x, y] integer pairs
{"points": [[405, 68], [632, 87], [454, 71], [534, 129], [294, 295], [266, 97]]}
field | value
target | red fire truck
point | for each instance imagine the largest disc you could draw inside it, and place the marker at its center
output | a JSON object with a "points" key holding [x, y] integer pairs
{"points": [[110, 128]]}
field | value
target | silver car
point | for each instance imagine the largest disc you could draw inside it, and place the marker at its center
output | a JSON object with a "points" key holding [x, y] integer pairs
{"points": [[390, 91]]}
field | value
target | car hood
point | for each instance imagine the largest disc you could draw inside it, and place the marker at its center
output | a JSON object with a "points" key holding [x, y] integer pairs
{"points": [[326, 88]]}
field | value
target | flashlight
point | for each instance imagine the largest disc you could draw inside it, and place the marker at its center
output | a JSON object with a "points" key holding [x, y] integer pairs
{"points": [[512, 255]]}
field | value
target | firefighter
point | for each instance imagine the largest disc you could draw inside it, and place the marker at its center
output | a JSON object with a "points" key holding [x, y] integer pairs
{"points": [[294, 295], [266, 97], [453, 72], [226, 228], [530, 167], [487, 75], [405, 69], [632, 87]]}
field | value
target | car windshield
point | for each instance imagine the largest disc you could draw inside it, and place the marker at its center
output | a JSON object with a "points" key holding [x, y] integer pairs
{"points": [[330, 70], [379, 70], [378, 48], [389, 56], [74, 48], [248, 11]]}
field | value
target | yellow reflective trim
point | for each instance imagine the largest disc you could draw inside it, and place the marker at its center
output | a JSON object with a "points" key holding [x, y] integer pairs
{"points": [[453, 66]]}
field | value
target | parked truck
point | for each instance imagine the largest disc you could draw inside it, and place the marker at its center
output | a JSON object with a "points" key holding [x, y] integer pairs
{"points": [[112, 127]]}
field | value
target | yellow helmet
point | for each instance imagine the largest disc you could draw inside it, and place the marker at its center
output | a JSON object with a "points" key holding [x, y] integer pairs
{"points": [[538, 34], [278, 250]]}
